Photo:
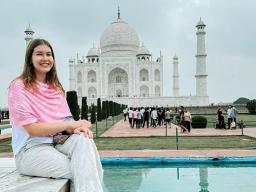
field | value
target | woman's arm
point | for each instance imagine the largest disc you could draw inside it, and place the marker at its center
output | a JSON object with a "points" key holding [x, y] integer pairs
{"points": [[46, 129]]}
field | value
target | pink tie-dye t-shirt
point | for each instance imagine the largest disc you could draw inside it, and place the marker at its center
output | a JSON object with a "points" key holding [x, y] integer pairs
{"points": [[26, 107]]}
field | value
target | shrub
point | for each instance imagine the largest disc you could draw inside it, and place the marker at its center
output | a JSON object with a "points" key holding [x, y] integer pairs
{"points": [[251, 106], [84, 110], [199, 122], [93, 113], [99, 110], [73, 104]]}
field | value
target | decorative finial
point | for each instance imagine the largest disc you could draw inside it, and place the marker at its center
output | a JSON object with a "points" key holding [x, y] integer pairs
{"points": [[118, 13]]}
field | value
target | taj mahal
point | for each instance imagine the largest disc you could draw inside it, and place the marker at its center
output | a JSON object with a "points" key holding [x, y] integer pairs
{"points": [[122, 70]]}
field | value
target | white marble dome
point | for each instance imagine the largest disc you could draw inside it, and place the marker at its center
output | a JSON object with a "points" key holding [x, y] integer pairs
{"points": [[143, 51], [93, 52], [119, 36]]}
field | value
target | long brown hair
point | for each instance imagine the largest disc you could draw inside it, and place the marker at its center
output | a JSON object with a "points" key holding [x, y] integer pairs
{"points": [[28, 75]]}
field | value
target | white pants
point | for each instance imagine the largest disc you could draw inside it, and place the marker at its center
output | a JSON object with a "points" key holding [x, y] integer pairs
{"points": [[77, 159]]}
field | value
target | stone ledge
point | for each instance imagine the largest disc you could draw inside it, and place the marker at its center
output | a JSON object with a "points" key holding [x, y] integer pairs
{"points": [[12, 181]]}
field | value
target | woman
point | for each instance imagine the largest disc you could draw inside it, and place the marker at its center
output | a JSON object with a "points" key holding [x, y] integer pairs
{"points": [[38, 111]]}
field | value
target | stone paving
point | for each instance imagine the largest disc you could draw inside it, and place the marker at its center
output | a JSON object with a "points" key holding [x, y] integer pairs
{"points": [[123, 129]]}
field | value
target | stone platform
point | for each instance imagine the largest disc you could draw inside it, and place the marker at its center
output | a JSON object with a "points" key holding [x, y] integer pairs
{"points": [[12, 181]]}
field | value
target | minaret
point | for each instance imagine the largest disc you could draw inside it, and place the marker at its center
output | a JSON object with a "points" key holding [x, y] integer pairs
{"points": [[175, 89], [72, 82], [29, 34], [201, 75]]}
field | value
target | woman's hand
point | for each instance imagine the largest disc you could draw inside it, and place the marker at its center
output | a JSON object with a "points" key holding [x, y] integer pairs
{"points": [[86, 131]]}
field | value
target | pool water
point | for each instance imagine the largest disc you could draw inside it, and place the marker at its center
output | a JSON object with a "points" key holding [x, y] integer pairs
{"points": [[180, 178]]}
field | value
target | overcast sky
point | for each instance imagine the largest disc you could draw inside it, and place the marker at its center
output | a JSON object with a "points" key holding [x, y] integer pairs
{"points": [[72, 26]]}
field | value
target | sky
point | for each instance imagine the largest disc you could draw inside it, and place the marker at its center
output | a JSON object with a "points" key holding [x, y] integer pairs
{"points": [[72, 26]]}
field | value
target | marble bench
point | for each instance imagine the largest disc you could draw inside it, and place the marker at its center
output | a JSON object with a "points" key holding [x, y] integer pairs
{"points": [[12, 181]]}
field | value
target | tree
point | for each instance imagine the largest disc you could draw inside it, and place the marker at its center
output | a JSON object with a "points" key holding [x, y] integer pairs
{"points": [[241, 100], [84, 110], [104, 110], [111, 111], [99, 110], [251, 106], [73, 104], [93, 113]]}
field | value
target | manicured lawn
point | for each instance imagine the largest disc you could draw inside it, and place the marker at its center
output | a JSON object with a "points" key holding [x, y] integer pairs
{"points": [[105, 124], [139, 143], [4, 122], [5, 146]]}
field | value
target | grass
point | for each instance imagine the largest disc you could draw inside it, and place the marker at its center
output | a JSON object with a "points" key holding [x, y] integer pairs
{"points": [[190, 143], [4, 122], [5, 146], [193, 143], [105, 124]]}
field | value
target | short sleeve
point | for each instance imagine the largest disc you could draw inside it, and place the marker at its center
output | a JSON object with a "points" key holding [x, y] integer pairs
{"points": [[21, 112]]}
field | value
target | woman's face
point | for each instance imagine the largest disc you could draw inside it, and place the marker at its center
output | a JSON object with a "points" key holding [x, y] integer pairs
{"points": [[42, 60]]}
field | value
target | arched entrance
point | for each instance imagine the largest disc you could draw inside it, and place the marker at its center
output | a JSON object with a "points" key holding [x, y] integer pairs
{"points": [[118, 83]]}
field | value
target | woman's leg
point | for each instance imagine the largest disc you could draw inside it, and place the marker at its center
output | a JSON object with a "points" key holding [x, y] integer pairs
{"points": [[84, 162], [43, 160]]}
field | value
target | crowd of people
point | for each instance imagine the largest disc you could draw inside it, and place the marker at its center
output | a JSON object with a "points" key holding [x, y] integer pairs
{"points": [[231, 116], [140, 117]]}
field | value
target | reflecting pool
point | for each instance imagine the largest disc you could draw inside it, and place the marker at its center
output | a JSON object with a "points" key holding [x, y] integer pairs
{"points": [[180, 178]]}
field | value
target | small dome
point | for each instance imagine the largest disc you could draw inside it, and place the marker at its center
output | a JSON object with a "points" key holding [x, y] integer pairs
{"points": [[143, 51], [93, 52], [119, 36], [200, 23], [175, 57], [71, 60], [29, 29]]}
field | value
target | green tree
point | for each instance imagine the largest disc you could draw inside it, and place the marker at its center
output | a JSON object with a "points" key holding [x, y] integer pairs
{"points": [[84, 110], [241, 100], [104, 110], [73, 104], [251, 106], [99, 110], [111, 108], [93, 113]]}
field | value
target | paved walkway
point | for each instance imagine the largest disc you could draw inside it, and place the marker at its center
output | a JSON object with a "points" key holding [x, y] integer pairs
{"points": [[122, 129]]}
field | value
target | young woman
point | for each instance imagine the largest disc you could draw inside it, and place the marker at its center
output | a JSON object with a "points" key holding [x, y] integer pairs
{"points": [[39, 111]]}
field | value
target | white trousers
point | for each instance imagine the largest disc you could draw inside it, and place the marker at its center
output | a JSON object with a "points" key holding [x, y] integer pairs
{"points": [[77, 159]]}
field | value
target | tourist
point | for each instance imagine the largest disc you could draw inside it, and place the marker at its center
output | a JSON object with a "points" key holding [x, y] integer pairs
{"points": [[39, 115], [130, 116], [167, 117], [154, 117], [146, 117], [220, 117], [229, 116], [233, 114], [187, 120], [125, 112], [134, 117], [139, 118], [182, 119]]}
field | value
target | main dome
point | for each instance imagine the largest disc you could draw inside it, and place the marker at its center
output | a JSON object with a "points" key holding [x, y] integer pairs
{"points": [[119, 36]]}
